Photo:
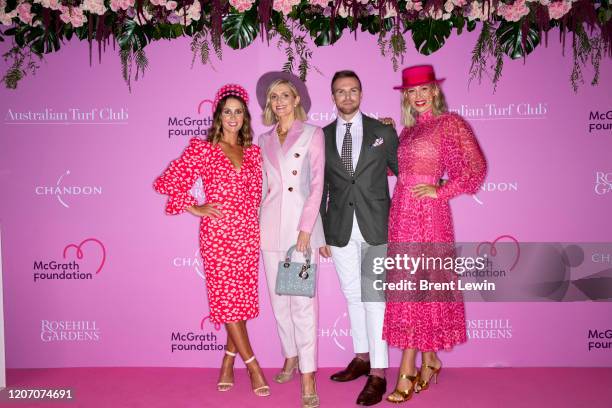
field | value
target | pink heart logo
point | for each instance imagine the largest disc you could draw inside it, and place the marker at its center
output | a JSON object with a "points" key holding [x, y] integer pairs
{"points": [[203, 323], [202, 103], [494, 249], [80, 254]]}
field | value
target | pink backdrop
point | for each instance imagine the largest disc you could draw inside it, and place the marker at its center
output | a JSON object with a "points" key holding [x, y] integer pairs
{"points": [[549, 180]]}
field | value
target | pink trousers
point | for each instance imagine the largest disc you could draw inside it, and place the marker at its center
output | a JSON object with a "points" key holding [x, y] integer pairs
{"points": [[296, 316]]}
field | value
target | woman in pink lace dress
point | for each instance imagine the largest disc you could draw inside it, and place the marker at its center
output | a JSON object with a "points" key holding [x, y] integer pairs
{"points": [[432, 143]]}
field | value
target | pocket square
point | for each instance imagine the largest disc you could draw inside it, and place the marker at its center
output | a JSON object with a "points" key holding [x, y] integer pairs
{"points": [[377, 142]]}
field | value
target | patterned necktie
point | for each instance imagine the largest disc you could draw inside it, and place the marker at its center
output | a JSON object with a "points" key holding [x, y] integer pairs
{"points": [[347, 150]]}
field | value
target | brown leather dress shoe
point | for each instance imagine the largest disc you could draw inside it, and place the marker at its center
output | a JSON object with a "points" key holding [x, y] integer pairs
{"points": [[356, 368], [373, 391]]}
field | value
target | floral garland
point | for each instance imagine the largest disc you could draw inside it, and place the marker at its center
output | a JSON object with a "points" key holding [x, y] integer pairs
{"points": [[510, 28]]}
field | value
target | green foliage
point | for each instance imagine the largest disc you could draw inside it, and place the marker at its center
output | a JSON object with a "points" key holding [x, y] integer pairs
{"points": [[133, 36], [23, 62], [430, 35], [497, 39], [512, 41], [486, 56], [321, 30], [240, 29], [43, 41]]}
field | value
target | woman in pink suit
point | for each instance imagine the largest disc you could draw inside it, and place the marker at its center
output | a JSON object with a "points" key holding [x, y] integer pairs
{"points": [[432, 142], [293, 165]]}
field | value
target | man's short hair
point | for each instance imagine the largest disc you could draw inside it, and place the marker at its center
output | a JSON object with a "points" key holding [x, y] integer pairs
{"points": [[344, 74]]}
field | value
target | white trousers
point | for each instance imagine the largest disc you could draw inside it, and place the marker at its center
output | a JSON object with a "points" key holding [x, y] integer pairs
{"points": [[366, 317], [296, 316]]}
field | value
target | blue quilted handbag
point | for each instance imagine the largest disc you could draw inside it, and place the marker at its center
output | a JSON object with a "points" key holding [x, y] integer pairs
{"points": [[296, 278]]}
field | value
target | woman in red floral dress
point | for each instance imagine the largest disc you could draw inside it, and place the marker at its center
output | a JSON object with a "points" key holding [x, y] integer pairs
{"points": [[432, 142], [230, 168]]}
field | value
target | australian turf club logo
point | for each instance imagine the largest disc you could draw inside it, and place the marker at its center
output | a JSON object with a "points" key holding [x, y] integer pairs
{"points": [[80, 261], [66, 192]]}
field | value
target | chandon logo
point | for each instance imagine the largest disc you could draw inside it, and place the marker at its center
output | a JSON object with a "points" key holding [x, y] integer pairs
{"points": [[64, 191], [339, 332], [194, 262], [495, 187], [326, 117]]}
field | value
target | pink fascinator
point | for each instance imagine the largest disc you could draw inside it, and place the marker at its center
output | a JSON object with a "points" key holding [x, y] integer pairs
{"points": [[230, 89]]}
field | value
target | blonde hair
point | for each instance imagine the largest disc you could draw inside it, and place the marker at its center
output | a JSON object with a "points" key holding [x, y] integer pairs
{"points": [[269, 118], [409, 115]]}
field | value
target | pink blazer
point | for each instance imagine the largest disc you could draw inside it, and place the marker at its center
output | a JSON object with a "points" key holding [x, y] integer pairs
{"points": [[292, 187]]}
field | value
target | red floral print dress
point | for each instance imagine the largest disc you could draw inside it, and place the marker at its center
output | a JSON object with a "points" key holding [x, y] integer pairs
{"points": [[229, 245], [433, 146]]}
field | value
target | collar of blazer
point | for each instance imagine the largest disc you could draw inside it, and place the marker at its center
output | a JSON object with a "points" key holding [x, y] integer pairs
{"points": [[272, 146], [369, 136]]}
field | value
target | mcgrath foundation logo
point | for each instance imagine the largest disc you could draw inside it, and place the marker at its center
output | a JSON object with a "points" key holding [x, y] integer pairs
{"points": [[490, 188], [600, 122], [599, 340], [494, 111], [206, 339], [80, 261], [190, 263], [489, 329], [339, 332], [190, 126], [603, 183], [66, 191], [69, 331]]}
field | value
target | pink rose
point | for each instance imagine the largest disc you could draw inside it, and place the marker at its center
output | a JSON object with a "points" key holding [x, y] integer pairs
{"points": [[24, 13], [558, 9]]}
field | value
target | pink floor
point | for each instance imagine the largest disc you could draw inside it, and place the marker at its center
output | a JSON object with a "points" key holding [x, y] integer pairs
{"points": [[190, 387]]}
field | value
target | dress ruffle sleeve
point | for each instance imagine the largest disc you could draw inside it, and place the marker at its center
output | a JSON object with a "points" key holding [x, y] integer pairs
{"points": [[178, 179], [462, 157]]}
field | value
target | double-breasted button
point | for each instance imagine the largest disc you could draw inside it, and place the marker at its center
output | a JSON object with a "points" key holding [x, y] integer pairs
{"points": [[296, 155], [352, 181], [294, 172], [290, 189], [351, 203]]}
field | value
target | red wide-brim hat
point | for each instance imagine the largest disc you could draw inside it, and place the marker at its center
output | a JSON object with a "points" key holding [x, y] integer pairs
{"points": [[418, 75]]}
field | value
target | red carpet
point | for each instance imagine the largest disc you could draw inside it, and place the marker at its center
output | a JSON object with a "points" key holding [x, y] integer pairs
{"points": [[194, 387]]}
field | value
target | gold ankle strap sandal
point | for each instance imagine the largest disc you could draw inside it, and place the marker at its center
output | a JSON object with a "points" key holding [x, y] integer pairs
{"points": [[399, 396], [424, 384]]}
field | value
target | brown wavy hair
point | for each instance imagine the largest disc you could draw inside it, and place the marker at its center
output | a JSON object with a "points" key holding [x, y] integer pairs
{"points": [[245, 134]]}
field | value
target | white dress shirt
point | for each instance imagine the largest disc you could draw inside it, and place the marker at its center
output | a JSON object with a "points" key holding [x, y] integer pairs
{"points": [[356, 135]]}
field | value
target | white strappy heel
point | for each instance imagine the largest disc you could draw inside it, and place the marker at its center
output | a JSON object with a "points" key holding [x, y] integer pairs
{"points": [[262, 391], [226, 386]]}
